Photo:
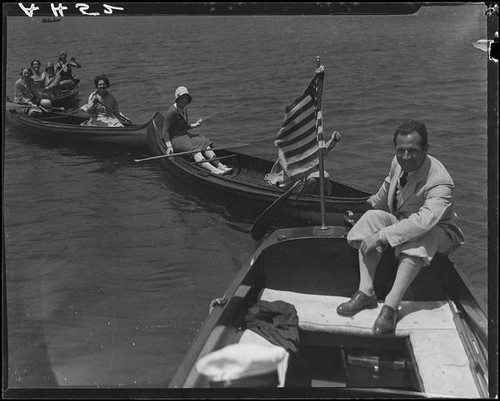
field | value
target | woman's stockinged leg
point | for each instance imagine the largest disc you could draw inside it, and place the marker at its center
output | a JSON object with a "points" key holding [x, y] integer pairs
{"points": [[210, 154], [198, 157]]}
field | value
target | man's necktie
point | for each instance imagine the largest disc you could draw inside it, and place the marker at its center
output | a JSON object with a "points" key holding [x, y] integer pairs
{"points": [[403, 179], [402, 182]]}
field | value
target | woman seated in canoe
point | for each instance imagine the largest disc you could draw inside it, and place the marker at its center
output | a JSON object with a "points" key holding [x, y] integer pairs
{"points": [[51, 82], [37, 76], [25, 91], [178, 138], [63, 67], [103, 107]]}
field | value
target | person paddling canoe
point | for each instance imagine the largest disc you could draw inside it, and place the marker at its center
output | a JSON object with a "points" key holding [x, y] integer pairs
{"points": [[178, 138], [103, 107], [51, 82], [63, 67]]}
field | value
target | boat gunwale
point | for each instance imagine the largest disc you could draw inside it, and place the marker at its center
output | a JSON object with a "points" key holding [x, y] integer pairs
{"points": [[268, 193], [63, 127]]}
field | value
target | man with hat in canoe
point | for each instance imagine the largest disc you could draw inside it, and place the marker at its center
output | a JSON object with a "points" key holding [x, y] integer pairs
{"points": [[44, 109], [413, 213]]}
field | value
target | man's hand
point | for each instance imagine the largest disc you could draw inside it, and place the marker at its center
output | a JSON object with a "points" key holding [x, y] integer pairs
{"points": [[370, 243]]}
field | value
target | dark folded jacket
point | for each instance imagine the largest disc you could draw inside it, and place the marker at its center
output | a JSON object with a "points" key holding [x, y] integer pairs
{"points": [[276, 321]]}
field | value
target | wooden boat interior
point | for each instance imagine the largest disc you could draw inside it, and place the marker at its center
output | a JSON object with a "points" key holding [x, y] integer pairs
{"points": [[251, 171], [440, 327], [248, 171]]}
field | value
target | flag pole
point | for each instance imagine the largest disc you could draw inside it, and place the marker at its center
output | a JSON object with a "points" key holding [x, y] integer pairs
{"points": [[321, 147]]}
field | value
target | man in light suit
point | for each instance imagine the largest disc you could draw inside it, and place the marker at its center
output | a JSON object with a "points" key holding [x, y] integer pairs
{"points": [[412, 213]]}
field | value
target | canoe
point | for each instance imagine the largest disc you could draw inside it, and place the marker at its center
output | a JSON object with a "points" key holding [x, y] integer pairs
{"points": [[439, 348], [67, 97], [66, 127], [246, 189]]}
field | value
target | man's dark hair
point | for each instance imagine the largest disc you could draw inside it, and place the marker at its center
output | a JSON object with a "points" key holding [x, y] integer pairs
{"points": [[412, 126]]}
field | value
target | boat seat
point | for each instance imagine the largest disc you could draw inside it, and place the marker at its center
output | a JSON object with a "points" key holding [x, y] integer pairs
{"points": [[440, 356]]}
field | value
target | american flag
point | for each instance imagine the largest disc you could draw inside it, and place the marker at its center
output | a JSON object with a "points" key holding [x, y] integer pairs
{"points": [[301, 134]]}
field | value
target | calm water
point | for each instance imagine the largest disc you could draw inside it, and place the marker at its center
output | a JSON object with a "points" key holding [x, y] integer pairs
{"points": [[111, 264]]}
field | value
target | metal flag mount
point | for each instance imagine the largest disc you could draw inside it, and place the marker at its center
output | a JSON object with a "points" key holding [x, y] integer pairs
{"points": [[323, 229]]}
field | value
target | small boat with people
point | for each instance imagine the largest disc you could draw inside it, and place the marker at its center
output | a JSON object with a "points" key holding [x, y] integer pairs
{"points": [[295, 185], [246, 185], [311, 309], [70, 126], [65, 97], [276, 326]]}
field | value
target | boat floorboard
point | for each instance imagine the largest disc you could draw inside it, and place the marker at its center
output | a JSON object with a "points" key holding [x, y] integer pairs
{"points": [[440, 356]]}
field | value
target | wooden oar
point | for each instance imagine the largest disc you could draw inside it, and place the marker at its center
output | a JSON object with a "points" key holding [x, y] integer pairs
{"points": [[119, 115], [52, 108], [191, 152], [263, 222], [58, 73]]}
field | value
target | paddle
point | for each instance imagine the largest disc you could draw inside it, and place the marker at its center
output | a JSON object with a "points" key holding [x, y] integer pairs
{"points": [[12, 105], [58, 73], [190, 152], [120, 116], [51, 109], [263, 222]]}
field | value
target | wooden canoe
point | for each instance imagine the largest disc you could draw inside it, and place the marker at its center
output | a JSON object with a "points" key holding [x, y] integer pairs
{"points": [[67, 127], [439, 348], [245, 188], [67, 97]]}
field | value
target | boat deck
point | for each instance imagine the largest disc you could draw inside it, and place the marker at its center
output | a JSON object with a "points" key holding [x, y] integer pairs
{"points": [[428, 326]]}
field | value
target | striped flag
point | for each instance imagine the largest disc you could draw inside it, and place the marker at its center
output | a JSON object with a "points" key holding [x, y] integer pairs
{"points": [[301, 134]]}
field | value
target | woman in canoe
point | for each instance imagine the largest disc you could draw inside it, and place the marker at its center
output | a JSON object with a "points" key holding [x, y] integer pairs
{"points": [[38, 75], [178, 138], [63, 68], [51, 82], [25, 91], [103, 107]]}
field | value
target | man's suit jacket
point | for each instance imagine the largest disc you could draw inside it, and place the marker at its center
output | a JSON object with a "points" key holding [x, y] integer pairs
{"points": [[425, 201]]}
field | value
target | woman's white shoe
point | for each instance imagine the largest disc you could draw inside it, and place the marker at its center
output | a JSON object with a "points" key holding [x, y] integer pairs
{"points": [[225, 168]]}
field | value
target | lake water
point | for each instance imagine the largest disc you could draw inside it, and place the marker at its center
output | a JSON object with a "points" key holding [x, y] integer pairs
{"points": [[111, 264]]}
